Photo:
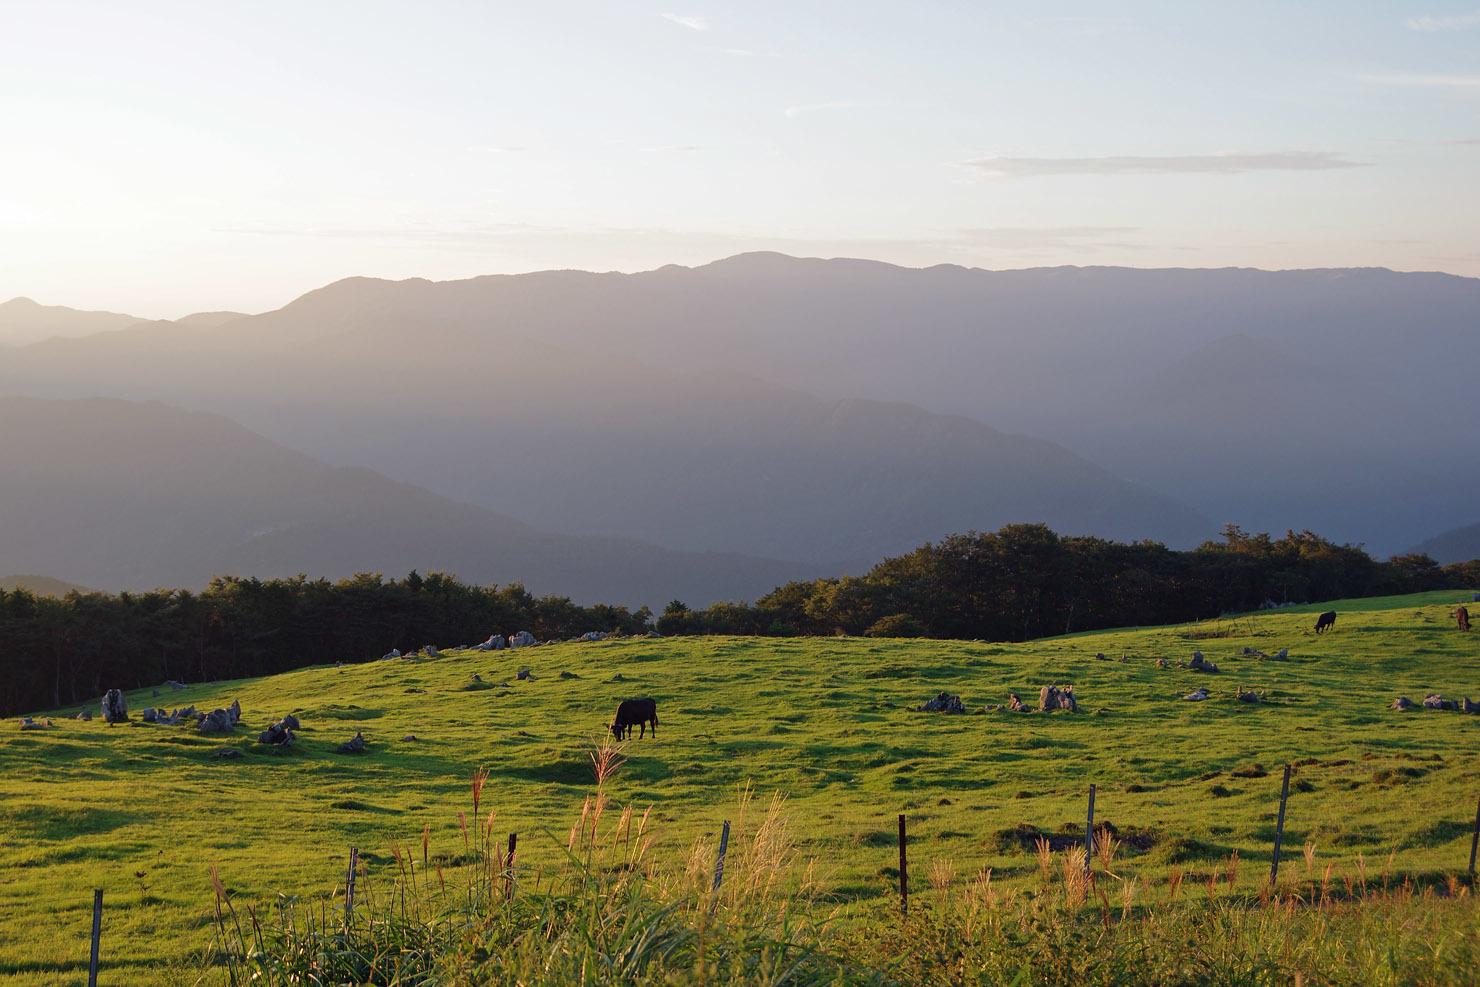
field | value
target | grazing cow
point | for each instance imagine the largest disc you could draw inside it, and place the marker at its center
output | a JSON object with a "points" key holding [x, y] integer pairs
{"points": [[633, 712], [1463, 616], [1325, 620]]}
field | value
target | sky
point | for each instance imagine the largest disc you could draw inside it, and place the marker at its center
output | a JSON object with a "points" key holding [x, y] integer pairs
{"points": [[160, 158]]}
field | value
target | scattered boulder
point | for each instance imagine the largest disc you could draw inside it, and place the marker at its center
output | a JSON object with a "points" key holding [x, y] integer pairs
{"points": [[277, 735], [1282, 654], [115, 707], [355, 745], [413, 690], [291, 722], [409, 737], [618, 678], [393, 653], [475, 677], [431, 651], [1015, 703], [176, 686], [30, 724], [495, 642], [1099, 656], [85, 714], [226, 753], [524, 675], [1466, 706], [594, 636], [1123, 659], [569, 675], [154, 694], [1435, 701], [216, 721], [1198, 696], [523, 639], [1162, 663], [150, 715], [943, 703], [1248, 697], [1200, 664], [1052, 697], [652, 634], [188, 713], [1403, 703], [235, 711]]}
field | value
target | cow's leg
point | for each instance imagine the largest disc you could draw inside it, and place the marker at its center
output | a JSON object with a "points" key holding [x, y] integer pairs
{"points": [[655, 726]]}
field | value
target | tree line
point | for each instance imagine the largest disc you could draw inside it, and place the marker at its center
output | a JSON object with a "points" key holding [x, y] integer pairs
{"points": [[62, 651], [1024, 581]]}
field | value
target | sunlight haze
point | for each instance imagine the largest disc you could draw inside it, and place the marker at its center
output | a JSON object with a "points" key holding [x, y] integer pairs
{"points": [[166, 157]]}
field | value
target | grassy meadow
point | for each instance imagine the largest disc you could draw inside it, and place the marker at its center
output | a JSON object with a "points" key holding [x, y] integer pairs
{"points": [[143, 811]]}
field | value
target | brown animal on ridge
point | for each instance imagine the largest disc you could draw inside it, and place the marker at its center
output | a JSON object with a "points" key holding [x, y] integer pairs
{"points": [[1463, 616], [1325, 620], [632, 712]]}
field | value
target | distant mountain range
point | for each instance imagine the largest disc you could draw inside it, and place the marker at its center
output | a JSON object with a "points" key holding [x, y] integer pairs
{"points": [[124, 495], [833, 412], [39, 585], [1456, 545], [23, 321]]}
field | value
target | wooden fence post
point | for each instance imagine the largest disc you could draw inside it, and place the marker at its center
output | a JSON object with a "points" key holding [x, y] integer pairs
{"points": [[1089, 831], [349, 884], [1475, 841], [719, 864], [904, 881], [97, 937], [1279, 828], [509, 866]]}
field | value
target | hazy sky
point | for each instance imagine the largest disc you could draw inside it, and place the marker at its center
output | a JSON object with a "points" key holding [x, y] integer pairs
{"points": [[165, 157]]}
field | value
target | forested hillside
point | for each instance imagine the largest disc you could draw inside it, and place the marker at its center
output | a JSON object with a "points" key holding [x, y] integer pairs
{"points": [[1021, 582]]}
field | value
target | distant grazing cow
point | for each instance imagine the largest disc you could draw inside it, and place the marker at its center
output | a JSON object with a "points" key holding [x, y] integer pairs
{"points": [[633, 712], [1325, 620], [1463, 616]]}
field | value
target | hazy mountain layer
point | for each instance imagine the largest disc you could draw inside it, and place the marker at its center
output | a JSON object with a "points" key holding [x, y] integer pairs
{"points": [[1456, 545], [476, 404], [121, 495]]}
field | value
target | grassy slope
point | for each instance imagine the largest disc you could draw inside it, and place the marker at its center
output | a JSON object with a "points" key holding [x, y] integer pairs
{"points": [[826, 721]]}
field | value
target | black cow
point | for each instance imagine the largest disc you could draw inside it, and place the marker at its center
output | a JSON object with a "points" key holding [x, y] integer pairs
{"points": [[633, 712], [1325, 620]]}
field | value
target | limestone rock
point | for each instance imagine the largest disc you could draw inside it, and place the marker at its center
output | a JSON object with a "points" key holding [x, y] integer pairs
{"points": [[277, 735], [85, 714], [1200, 664], [1052, 698], [115, 707], [355, 745], [216, 721], [523, 639], [1403, 703], [524, 675], [943, 703], [1197, 696]]}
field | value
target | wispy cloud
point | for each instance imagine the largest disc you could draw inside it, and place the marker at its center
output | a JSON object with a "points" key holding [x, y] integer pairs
{"points": [[1452, 23], [1036, 238], [1222, 163], [692, 23], [793, 112], [1442, 80]]}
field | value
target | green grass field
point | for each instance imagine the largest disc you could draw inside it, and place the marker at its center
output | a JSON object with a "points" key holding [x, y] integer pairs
{"points": [[142, 810]]}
